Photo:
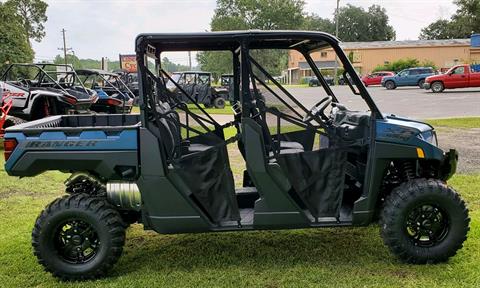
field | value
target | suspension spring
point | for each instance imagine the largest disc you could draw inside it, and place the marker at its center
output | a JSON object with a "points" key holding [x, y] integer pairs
{"points": [[408, 170]]}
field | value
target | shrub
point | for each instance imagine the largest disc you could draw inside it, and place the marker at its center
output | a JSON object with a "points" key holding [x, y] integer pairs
{"points": [[399, 65]]}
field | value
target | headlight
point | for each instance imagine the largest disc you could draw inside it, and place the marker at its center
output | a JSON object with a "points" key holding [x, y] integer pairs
{"points": [[429, 136]]}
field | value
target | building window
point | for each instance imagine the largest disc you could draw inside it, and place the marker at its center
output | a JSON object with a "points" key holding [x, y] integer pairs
{"points": [[386, 62], [323, 54]]}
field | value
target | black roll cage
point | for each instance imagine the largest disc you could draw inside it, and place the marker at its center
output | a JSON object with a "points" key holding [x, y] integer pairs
{"points": [[240, 43]]}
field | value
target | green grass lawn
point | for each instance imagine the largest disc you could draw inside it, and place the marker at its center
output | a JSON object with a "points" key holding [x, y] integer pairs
{"points": [[462, 122], [333, 257]]}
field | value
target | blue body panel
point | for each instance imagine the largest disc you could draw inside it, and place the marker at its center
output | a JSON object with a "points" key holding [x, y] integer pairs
{"points": [[88, 140], [407, 132]]}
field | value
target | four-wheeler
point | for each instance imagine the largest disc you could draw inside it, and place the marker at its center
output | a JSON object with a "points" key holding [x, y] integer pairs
{"points": [[168, 167], [408, 77], [459, 76], [198, 86], [40, 90], [113, 95], [375, 78]]}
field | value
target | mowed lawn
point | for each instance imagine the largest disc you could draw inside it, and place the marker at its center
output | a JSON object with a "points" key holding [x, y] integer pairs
{"points": [[333, 257]]}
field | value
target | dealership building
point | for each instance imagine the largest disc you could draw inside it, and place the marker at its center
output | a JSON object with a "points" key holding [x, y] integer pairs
{"points": [[365, 56]]}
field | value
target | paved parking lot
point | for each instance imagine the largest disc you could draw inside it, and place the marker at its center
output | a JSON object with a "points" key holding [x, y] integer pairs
{"points": [[405, 101]]}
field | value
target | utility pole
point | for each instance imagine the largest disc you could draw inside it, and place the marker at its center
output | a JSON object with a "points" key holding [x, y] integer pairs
{"points": [[65, 49], [335, 77], [190, 60]]}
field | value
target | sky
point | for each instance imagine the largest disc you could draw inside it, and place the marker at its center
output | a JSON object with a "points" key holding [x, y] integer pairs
{"points": [[106, 28]]}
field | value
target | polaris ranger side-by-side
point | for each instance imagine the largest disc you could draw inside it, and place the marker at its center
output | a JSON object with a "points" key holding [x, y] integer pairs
{"points": [[168, 168], [198, 86]]}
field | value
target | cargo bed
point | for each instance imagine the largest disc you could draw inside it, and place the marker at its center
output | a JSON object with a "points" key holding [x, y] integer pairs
{"points": [[105, 145]]}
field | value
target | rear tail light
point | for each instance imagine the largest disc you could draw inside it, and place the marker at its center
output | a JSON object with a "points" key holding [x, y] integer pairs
{"points": [[9, 145], [70, 99], [113, 102]]}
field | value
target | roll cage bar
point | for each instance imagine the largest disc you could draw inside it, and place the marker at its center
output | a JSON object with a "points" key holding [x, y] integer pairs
{"points": [[42, 74], [101, 74], [240, 43]]}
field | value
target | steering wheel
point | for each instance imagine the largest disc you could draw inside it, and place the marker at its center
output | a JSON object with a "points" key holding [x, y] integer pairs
{"points": [[23, 82], [318, 109]]}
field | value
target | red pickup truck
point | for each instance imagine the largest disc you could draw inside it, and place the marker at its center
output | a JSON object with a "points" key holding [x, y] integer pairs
{"points": [[460, 76]]}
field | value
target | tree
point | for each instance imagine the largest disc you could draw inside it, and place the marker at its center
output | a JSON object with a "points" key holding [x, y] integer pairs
{"points": [[169, 66], [440, 29], [462, 24], [356, 24], [32, 14], [313, 22], [252, 14], [14, 46]]}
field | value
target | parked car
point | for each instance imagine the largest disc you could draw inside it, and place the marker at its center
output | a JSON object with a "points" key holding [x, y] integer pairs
{"points": [[408, 77], [198, 87], [376, 78], [313, 81], [460, 76], [113, 94]]}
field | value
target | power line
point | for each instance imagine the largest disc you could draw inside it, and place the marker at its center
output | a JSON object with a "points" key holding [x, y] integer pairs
{"points": [[65, 49]]}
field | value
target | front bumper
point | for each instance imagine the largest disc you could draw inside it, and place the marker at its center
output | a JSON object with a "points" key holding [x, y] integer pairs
{"points": [[449, 164], [426, 86]]}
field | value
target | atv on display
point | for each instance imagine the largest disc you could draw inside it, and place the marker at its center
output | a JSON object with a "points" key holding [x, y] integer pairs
{"points": [[130, 79], [113, 95], [198, 86], [169, 169], [36, 91]]}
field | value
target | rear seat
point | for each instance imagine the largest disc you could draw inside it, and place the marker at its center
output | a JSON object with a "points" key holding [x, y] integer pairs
{"points": [[170, 133]]}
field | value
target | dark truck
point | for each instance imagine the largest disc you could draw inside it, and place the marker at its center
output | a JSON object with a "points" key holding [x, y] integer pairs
{"points": [[332, 167]]}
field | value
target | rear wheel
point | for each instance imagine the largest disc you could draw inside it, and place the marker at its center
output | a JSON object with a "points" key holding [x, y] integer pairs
{"points": [[12, 121], [437, 87], [390, 85], [424, 221], [420, 83], [219, 103], [78, 237]]}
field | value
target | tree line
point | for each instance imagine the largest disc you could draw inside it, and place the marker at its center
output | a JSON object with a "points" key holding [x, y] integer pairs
{"points": [[21, 22], [355, 24]]}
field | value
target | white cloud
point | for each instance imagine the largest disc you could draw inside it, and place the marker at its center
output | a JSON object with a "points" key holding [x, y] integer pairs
{"points": [[97, 28]]}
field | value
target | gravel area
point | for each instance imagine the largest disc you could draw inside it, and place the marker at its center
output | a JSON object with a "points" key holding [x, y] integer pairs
{"points": [[466, 142]]}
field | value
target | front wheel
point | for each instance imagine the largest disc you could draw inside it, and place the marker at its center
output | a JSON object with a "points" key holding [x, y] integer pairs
{"points": [[424, 221], [78, 237], [219, 103], [437, 87]]}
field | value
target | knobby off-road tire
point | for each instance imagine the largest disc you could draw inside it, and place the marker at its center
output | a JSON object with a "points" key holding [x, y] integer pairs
{"points": [[424, 221], [219, 103], [78, 237], [12, 121]]}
